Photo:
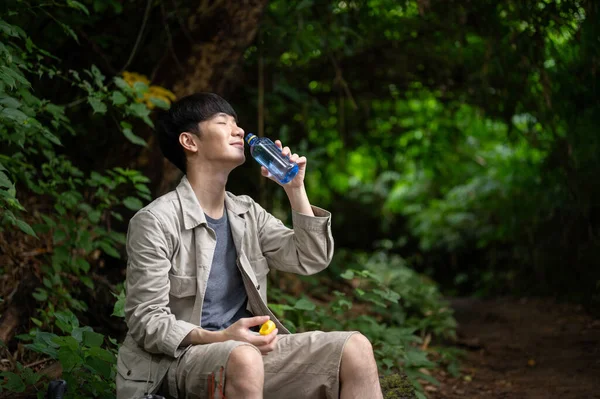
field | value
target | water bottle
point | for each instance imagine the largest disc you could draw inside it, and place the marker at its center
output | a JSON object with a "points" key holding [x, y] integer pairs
{"points": [[269, 155]]}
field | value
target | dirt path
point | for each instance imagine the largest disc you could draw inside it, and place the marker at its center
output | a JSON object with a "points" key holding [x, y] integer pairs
{"points": [[524, 349]]}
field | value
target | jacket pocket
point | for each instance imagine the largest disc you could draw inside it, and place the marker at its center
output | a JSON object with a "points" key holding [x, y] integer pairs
{"points": [[261, 269], [182, 286]]}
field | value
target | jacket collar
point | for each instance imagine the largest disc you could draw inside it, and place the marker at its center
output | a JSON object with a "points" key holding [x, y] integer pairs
{"points": [[193, 215]]}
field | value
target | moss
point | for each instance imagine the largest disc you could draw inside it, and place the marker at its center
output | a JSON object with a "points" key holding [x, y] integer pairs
{"points": [[397, 386]]}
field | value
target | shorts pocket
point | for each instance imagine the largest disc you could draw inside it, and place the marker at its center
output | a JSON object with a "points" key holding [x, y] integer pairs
{"points": [[134, 365]]}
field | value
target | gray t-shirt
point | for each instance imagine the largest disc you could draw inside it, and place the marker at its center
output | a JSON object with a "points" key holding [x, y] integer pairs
{"points": [[225, 298]]}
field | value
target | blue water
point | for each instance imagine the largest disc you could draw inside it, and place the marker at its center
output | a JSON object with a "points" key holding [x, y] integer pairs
{"points": [[269, 155]]}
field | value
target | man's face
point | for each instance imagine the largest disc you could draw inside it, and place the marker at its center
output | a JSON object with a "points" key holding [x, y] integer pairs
{"points": [[220, 142]]}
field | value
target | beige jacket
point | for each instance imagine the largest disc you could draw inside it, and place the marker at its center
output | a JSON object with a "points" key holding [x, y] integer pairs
{"points": [[170, 250]]}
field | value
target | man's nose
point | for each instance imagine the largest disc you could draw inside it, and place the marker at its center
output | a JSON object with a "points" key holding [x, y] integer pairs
{"points": [[238, 131]]}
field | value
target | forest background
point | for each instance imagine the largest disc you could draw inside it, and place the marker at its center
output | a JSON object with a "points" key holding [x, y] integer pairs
{"points": [[455, 142]]}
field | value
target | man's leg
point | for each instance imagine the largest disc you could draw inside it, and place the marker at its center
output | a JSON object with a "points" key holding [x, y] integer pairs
{"points": [[245, 374], [306, 365], [359, 377], [228, 369]]}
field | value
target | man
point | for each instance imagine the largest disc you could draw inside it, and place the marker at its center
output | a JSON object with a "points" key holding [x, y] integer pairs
{"points": [[198, 259]]}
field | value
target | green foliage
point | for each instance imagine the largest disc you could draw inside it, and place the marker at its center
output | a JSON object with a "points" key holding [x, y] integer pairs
{"points": [[84, 355], [74, 226], [395, 307], [463, 134], [464, 137]]}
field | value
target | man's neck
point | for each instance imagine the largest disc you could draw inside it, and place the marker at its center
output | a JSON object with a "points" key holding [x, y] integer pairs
{"points": [[209, 187]]}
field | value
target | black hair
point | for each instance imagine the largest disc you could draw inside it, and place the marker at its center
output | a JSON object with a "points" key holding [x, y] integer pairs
{"points": [[184, 116]]}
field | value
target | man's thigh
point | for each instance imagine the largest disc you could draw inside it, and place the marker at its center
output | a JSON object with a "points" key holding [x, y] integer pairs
{"points": [[200, 372], [305, 365]]}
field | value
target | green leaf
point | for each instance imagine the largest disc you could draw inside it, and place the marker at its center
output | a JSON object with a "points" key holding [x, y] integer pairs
{"points": [[16, 75], [109, 249], [40, 294], [304, 304], [59, 236], [46, 133], [417, 359], [10, 102], [348, 275], [97, 104], [133, 203], [83, 265], [304, 4], [159, 102], [66, 321], [5, 181], [139, 110], [78, 5], [13, 114], [140, 88], [77, 332], [142, 188], [7, 79], [119, 308], [67, 29], [29, 376], [118, 98], [94, 216], [37, 322], [87, 282], [92, 339], [117, 216], [101, 367], [117, 237], [13, 382], [48, 220], [98, 76], [123, 85], [388, 294], [102, 354], [133, 138], [69, 359], [26, 228], [11, 30]]}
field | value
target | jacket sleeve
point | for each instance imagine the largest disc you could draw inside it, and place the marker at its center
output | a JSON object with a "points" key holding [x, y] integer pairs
{"points": [[305, 249], [147, 313]]}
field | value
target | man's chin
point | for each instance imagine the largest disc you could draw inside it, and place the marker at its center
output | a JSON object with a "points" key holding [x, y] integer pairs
{"points": [[240, 161]]}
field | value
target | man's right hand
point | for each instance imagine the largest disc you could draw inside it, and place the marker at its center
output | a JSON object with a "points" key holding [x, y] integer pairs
{"points": [[240, 331]]}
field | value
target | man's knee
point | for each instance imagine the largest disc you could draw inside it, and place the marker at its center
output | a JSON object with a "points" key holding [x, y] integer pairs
{"points": [[358, 345], [358, 355], [245, 368]]}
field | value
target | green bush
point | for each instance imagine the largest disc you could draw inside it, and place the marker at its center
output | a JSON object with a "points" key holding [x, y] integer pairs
{"points": [[67, 211], [395, 307]]}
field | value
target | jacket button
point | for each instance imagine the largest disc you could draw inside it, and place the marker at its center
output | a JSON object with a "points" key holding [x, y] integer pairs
{"points": [[258, 287], [128, 372]]}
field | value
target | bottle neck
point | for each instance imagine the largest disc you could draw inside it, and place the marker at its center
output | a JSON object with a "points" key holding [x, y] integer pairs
{"points": [[252, 139]]}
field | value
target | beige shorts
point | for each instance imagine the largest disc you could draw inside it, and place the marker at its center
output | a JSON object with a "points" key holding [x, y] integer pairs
{"points": [[302, 366]]}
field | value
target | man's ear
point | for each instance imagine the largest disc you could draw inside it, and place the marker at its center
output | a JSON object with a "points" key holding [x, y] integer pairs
{"points": [[188, 142]]}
